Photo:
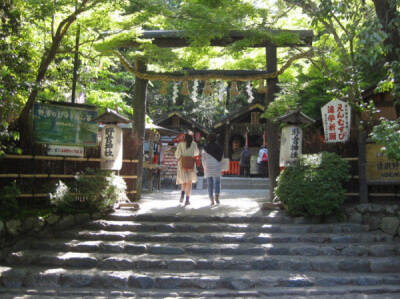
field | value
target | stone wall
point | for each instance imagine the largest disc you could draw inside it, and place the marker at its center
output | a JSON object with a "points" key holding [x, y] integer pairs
{"points": [[378, 216], [16, 234]]}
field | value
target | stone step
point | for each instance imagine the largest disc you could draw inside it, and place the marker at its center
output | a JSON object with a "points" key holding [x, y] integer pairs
{"points": [[113, 225], [338, 292], [122, 262], [300, 249], [268, 217], [225, 237], [239, 183], [33, 277]]}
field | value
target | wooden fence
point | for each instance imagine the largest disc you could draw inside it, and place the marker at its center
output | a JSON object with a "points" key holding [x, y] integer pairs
{"points": [[34, 174]]}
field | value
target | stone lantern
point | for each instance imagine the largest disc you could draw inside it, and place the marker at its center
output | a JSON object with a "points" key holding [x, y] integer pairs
{"points": [[111, 139], [292, 136]]}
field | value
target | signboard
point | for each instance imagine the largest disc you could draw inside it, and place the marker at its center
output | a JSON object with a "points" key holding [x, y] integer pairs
{"points": [[336, 120], [66, 151], [65, 125], [111, 148], [379, 167], [291, 144]]}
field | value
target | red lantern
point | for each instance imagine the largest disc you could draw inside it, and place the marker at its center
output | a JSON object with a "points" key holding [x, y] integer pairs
{"points": [[197, 137], [180, 138]]}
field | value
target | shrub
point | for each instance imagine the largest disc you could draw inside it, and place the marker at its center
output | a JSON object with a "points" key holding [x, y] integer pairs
{"points": [[92, 190], [313, 187], [387, 134], [8, 201]]}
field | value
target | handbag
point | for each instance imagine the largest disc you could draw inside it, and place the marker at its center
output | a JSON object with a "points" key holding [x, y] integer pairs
{"points": [[225, 164], [187, 163]]}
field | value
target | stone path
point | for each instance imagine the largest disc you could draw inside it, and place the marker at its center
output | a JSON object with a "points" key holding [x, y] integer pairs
{"points": [[233, 250]]}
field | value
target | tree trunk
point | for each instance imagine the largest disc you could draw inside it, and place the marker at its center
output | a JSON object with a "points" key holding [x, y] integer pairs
{"points": [[387, 13], [272, 129], [48, 57]]}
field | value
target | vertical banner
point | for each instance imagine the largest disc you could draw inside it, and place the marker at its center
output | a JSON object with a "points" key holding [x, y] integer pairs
{"points": [[111, 148], [291, 144], [336, 117]]}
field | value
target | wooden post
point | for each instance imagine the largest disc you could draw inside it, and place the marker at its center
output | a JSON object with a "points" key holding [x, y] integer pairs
{"points": [[159, 163], [272, 129], [139, 118], [362, 166], [226, 141], [151, 148]]}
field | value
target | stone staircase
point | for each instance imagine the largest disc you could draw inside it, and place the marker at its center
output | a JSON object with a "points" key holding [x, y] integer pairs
{"points": [[130, 254], [238, 183]]}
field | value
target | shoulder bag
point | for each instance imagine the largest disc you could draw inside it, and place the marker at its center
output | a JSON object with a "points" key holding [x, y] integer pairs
{"points": [[187, 163]]}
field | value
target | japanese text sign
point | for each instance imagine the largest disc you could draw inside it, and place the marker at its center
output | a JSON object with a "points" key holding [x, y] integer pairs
{"points": [[379, 167], [66, 151], [336, 117], [111, 147], [291, 144], [65, 125]]}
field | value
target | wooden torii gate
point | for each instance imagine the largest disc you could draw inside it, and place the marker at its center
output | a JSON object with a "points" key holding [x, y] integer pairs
{"points": [[176, 39]]}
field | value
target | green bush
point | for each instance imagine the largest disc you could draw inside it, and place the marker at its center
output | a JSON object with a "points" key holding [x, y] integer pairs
{"points": [[8, 201], [92, 190], [387, 134], [313, 187]]}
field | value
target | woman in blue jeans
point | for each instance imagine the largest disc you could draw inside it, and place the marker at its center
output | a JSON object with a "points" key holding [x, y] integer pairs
{"points": [[211, 159]]}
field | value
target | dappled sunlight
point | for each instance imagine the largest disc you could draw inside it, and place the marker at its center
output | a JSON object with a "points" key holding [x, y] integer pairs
{"points": [[233, 203]]}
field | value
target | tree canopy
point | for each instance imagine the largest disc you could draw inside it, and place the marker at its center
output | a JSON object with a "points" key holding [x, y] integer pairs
{"points": [[355, 46]]}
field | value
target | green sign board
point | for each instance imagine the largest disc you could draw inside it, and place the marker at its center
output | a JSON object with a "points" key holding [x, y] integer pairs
{"points": [[65, 125]]}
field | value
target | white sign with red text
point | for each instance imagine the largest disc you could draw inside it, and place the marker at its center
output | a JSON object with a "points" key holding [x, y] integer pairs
{"points": [[65, 151], [336, 116]]}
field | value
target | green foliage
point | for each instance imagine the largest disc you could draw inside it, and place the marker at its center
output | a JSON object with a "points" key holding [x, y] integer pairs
{"points": [[92, 190], [387, 133], [8, 140], [9, 201], [313, 187], [17, 58]]}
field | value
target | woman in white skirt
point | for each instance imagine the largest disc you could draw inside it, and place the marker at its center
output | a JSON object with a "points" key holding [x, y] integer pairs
{"points": [[186, 178]]}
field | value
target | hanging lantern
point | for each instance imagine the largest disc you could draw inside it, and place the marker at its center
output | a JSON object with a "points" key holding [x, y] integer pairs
{"points": [[163, 89], [234, 91], [261, 87], [185, 88], [207, 88]]}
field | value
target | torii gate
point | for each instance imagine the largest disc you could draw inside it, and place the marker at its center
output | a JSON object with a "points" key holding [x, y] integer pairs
{"points": [[176, 39]]}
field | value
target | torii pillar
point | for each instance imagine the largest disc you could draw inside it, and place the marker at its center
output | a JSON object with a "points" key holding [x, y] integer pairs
{"points": [[272, 128], [139, 124]]}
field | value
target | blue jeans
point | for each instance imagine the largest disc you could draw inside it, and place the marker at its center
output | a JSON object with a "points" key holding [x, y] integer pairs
{"points": [[211, 181]]}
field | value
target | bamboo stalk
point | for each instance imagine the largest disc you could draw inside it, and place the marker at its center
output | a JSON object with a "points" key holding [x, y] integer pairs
{"points": [[54, 176], [33, 195], [351, 159], [129, 176], [30, 157], [384, 194]]}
